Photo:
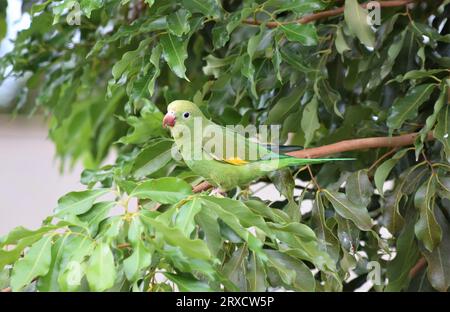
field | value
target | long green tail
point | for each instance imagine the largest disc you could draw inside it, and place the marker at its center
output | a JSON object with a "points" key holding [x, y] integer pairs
{"points": [[286, 161]]}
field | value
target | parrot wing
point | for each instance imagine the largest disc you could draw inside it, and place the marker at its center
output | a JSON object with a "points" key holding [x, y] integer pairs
{"points": [[238, 150], [234, 148]]}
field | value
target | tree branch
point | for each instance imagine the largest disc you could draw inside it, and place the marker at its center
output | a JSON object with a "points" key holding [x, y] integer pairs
{"points": [[343, 146], [358, 144], [417, 267], [324, 14]]}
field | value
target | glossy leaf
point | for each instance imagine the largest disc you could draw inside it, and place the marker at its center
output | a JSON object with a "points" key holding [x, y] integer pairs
{"points": [[358, 188], [178, 22], [36, 262], [405, 108], [164, 190], [77, 203], [305, 34], [356, 20], [101, 271], [345, 208], [438, 262], [310, 121], [293, 272], [174, 52], [427, 229]]}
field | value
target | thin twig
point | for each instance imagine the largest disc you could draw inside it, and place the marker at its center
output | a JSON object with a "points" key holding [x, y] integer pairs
{"points": [[313, 178], [392, 151]]}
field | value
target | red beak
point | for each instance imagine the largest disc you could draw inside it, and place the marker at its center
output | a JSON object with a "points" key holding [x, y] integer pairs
{"points": [[169, 120]]}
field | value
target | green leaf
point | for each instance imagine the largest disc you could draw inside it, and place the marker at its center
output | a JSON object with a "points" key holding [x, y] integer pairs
{"points": [[305, 34], [154, 59], [4, 278], [349, 210], [208, 222], [185, 217], [175, 53], [19, 233], [358, 188], [194, 248], [229, 218], [3, 26], [276, 61], [139, 260], [90, 5], [310, 121], [417, 74], [128, 60], [178, 22], [215, 65], [76, 203], [438, 260], [11, 256], [256, 275], [99, 212], [406, 257], [327, 240], [340, 42], [152, 158], [49, 282], [328, 96], [36, 262], [356, 20], [385, 69], [406, 108], [75, 249], [220, 36], [167, 190], [70, 278], [189, 284], [385, 168], [285, 105], [292, 271], [296, 61], [442, 130], [248, 70], [145, 128], [101, 271], [431, 121], [427, 229], [246, 217], [235, 269], [302, 7], [300, 242], [254, 42], [206, 7]]}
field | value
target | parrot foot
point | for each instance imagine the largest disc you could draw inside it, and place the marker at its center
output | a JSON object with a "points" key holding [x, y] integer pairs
{"points": [[218, 192], [245, 193]]}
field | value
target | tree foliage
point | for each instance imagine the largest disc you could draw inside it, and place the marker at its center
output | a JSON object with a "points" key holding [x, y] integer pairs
{"points": [[104, 85]]}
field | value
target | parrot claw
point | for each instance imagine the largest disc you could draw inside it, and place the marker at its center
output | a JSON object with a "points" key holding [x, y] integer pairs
{"points": [[218, 192]]}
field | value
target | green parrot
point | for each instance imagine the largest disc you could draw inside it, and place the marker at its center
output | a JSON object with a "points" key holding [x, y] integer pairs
{"points": [[224, 157]]}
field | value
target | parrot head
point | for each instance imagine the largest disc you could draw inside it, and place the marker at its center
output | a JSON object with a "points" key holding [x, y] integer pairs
{"points": [[181, 113]]}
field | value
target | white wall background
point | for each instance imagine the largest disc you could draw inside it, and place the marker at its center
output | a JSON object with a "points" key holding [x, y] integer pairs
{"points": [[30, 181]]}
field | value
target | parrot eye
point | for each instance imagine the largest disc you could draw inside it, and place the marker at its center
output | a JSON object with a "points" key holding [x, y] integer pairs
{"points": [[186, 115]]}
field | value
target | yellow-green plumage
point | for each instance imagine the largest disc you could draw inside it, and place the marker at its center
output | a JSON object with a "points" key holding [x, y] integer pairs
{"points": [[223, 168]]}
